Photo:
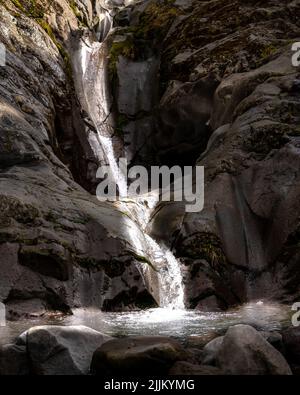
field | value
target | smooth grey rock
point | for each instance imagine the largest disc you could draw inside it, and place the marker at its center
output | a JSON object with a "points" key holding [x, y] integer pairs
{"points": [[55, 350], [211, 351], [245, 352]]}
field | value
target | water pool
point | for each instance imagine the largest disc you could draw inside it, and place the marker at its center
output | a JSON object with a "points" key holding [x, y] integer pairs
{"points": [[180, 324]]}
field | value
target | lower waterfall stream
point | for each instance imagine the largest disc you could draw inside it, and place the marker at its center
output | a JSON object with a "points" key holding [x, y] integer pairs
{"points": [[97, 101]]}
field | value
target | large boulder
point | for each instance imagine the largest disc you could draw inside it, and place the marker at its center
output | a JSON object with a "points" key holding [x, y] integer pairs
{"points": [[244, 351], [211, 350], [14, 360], [137, 355], [56, 350]]}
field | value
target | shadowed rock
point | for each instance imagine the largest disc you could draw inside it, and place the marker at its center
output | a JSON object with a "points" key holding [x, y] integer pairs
{"points": [[137, 355]]}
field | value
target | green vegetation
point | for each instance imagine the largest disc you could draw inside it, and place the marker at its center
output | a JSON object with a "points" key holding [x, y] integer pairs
{"points": [[11, 207], [155, 21], [77, 13], [45, 26], [205, 246], [264, 54], [31, 8], [266, 138], [153, 25], [36, 10], [267, 51], [142, 259], [124, 48]]}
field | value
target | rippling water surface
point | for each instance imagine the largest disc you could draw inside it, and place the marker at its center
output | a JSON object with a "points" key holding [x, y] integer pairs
{"points": [[178, 323]]}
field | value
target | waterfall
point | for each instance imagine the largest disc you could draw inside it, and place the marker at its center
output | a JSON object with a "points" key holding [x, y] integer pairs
{"points": [[171, 292], [108, 148], [96, 100]]}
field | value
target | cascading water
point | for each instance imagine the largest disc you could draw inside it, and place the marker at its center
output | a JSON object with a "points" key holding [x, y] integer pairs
{"points": [[171, 292], [97, 101]]}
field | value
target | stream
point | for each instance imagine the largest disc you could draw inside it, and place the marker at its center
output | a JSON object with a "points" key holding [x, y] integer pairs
{"points": [[181, 324]]}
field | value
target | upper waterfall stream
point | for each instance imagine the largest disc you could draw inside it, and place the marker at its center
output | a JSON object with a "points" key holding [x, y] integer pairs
{"points": [[96, 99]]}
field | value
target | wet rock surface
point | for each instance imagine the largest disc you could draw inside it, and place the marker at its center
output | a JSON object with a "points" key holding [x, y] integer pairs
{"points": [[60, 247]]}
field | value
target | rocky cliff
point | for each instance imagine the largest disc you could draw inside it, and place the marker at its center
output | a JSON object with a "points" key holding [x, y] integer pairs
{"points": [[186, 82]]}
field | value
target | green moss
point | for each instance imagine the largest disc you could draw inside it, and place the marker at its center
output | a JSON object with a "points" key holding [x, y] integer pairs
{"points": [[68, 67], [266, 138], [12, 208], [152, 27], [31, 8], [155, 21], [77, 13], [267, 51], [206, 246], [17, 4], [74, 8], [123, 48], [142, 259], [263, 54]]}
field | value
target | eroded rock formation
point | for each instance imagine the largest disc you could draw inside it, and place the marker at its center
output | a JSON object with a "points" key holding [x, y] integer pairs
{"points": [[206, 82]]}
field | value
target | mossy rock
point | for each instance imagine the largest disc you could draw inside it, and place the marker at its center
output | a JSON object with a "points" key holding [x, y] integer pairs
{"points": [[147, 35], [36, 9], [32, 8], [12, 208], [266, 138], [206, 246]]}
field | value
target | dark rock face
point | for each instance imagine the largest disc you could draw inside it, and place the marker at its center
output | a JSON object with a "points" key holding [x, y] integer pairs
{"points": [[235, 112], [291, 345], [13, 360], [243, 245], [141, 355], [59, 248]]}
